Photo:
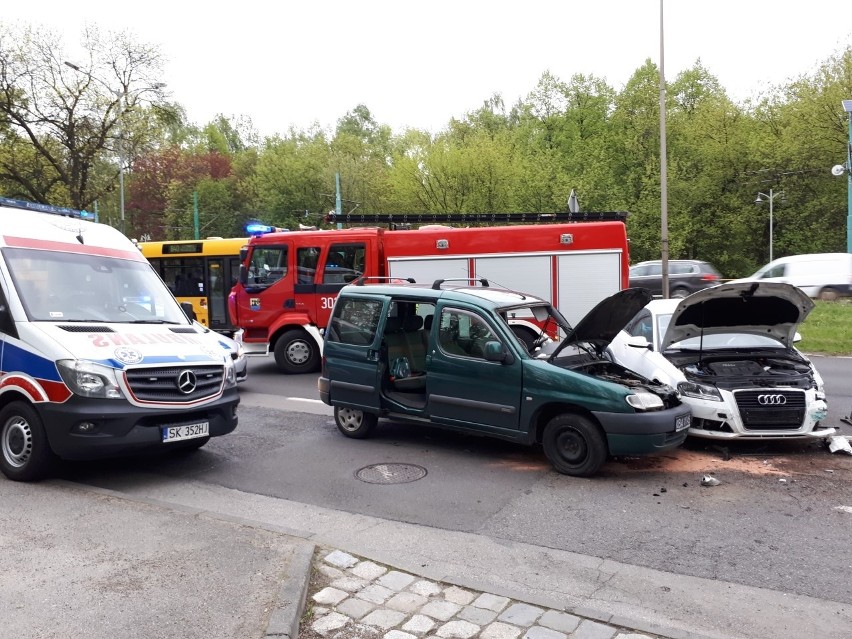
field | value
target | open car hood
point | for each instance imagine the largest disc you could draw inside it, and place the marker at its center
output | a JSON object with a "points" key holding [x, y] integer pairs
{"points": [[604, 321], [771, 309]]}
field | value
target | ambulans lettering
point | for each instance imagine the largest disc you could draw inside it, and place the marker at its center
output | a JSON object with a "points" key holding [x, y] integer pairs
{"points": [[100, 340]]}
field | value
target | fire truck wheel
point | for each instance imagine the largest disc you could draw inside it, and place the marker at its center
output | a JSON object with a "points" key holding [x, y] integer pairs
{"points": [[526, 336], [354, 423], [296, 352], [26, 454], [574, 445]]}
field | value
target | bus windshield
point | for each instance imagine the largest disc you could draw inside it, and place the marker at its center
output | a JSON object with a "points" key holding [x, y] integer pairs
{"points": [[70, 287], [201, 272]]}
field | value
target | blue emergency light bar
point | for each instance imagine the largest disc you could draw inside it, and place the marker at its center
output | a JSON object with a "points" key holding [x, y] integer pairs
{"points": [[259, 228], [46, 208]]}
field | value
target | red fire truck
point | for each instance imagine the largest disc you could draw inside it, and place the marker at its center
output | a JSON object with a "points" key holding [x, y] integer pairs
{"points": [[289, 280]]}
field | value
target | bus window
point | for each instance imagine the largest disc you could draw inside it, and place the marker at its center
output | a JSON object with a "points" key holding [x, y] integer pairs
{"points": [[202, 272], [189, 281], [217, 293]]}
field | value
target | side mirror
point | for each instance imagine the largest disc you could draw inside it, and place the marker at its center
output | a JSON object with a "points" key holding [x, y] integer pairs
{"points": [[496, 352], [637, 341], [243, 274], [188, 310]]}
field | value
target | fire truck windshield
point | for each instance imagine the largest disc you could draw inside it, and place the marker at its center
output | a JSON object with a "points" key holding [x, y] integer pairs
{"points": [[268, 265]]}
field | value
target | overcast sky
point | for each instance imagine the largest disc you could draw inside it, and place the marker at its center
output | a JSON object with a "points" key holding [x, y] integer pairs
{"points": [[419, 64]]}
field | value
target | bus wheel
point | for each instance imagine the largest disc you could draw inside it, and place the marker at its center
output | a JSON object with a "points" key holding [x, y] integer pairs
{"points": [[297, 352], [26, 455]]}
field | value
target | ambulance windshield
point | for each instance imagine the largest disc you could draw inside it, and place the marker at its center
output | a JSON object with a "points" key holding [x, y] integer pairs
{"points": [[73, 287]]}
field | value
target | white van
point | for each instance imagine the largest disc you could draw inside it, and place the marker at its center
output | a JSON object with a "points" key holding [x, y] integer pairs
{"points": [[825, 276], [97, 357]]}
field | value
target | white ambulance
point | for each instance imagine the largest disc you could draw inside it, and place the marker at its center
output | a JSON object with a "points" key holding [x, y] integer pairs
{"points": [[96, 356]]}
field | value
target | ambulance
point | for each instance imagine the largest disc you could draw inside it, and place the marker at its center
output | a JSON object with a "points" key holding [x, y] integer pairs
{"points": [[97, 358]]}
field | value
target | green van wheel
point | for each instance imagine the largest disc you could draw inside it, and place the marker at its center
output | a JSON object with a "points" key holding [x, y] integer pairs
{"points": [[353, 422], [574, 445]]}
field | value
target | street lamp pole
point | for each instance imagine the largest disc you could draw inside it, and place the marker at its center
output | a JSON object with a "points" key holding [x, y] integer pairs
{"points": [[761, 198]]}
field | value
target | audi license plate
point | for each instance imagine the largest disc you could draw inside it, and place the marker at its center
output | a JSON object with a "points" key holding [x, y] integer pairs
{"points": [[187, 431], [682, 422]]}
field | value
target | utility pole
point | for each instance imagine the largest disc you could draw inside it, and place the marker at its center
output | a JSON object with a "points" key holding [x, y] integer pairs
{"points": [[664, 192]]}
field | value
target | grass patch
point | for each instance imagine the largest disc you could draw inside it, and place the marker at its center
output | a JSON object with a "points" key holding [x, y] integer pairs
{"points": [[828, 329]]}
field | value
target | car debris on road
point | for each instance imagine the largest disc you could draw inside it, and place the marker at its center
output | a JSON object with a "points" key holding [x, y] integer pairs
{"points": [[839, 444]]}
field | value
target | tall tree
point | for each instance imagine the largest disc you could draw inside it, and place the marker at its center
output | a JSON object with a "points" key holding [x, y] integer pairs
{"points": [[83, 120]]}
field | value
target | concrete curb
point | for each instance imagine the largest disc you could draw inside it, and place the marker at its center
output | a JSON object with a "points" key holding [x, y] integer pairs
{"points": [[284, 621]]}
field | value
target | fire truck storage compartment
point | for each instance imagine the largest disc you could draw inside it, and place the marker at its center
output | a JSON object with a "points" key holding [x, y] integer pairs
{"points": [[583, 278]]}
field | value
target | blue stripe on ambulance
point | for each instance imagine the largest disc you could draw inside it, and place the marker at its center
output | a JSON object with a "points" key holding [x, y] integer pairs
{"points": [[17, 359]]}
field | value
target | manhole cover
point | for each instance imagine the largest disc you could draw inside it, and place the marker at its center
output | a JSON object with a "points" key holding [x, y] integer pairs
{"points": [[390, 473]]}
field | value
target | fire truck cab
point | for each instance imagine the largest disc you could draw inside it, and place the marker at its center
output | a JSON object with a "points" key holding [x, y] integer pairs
{"points": [[289, 280], [287, 286]]}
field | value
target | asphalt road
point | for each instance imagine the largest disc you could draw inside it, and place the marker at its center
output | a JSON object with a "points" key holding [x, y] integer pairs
{"points": [[776, 521]]}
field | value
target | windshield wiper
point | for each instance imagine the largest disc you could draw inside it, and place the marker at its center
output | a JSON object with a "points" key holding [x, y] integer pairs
{"points": [[147, 321]]}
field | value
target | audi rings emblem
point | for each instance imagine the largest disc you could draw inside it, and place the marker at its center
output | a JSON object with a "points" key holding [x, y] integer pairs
{"points": [[186, 382], [771, 400]]}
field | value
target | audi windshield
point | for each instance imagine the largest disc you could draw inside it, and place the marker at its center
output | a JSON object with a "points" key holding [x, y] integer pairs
{"points": [[733, 339]]}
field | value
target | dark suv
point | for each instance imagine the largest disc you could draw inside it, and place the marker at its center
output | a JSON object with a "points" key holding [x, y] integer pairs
{"points": [[685, 276]]}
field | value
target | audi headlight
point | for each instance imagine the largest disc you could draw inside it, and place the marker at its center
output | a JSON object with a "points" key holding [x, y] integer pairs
{"points": [[644, 401], [88, 379], [699, 391]]}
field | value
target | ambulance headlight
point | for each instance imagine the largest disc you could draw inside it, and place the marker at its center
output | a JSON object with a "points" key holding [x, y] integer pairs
{"points": [[230, 375], [88, 379]]}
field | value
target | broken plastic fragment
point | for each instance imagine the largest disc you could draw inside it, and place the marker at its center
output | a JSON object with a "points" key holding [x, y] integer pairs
{"points": [[707, 480], [839, 443]]}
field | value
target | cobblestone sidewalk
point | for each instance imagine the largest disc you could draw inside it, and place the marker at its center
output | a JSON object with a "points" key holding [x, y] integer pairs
{"points": [[353, 598]]}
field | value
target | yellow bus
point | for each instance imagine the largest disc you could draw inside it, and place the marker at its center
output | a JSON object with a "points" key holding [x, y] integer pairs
{"points": [[202, 272]]}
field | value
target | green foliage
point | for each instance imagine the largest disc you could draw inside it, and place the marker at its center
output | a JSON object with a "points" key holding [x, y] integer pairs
{"points": [[828, 329]]}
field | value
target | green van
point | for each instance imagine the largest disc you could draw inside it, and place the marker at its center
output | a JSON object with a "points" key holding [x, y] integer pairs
{"points": [[454, 356]]}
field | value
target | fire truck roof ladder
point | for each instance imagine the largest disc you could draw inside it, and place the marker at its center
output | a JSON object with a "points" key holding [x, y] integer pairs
{"points": [[439, 218]]}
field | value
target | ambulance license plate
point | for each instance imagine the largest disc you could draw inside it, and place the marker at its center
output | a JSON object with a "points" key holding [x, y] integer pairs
{"points": [[187, 431]]}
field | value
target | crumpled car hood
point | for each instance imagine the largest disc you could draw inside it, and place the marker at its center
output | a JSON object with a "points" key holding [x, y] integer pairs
{"points": [[771, 309], [601, 324]]}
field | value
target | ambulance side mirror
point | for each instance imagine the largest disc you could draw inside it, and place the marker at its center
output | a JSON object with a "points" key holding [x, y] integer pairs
{"points": [[188, 310]]}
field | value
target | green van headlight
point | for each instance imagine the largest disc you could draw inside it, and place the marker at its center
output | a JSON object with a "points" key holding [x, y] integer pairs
{"points": [[645, 401]]}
